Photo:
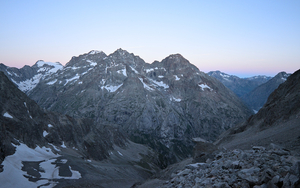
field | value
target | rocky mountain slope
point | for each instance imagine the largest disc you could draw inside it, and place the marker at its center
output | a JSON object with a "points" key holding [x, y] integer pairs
{"points": [[39, 148], [264, 151], [259, 95], [163, 104], [240, 86], [277, 121]]}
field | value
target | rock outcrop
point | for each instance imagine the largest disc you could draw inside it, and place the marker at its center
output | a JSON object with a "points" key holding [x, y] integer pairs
{"points": [[258, 167]]}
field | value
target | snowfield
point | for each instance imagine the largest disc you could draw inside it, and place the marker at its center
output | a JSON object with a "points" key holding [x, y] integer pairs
{"points": [[6, 114], [15, 175], [204, 86]]}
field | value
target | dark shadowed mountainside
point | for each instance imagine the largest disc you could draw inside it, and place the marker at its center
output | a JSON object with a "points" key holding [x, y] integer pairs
{"points": [[39, 148]]}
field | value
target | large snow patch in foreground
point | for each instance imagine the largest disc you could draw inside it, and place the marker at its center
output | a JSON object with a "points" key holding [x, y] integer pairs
{"points": [[14, 176]]}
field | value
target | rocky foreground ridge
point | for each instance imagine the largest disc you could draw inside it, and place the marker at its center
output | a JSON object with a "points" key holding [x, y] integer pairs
{"points": [[259, 167]]}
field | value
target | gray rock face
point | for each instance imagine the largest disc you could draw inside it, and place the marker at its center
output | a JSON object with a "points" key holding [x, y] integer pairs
{"points": [[162, 104], [240, 86], [258, 167]]}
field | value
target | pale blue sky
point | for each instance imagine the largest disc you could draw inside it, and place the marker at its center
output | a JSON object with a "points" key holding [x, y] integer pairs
{"points": [[237, 37]]}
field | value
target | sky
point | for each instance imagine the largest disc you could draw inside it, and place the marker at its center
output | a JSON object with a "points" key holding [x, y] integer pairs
{"points": [[243, 38]]}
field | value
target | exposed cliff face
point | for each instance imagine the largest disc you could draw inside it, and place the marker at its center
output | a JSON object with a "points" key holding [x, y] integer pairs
{"points": [[163, 104], [277, 121], [48, 148]]}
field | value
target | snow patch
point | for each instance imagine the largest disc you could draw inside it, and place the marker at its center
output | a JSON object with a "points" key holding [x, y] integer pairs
{"points": [[45, 133], [93, 52], [54, 147], [75, 148], [149, 70], [76, 77], [29, 84], [86, 71], [6, 114], [55, 66], [145, 85], [63, 145], [176, 77], [52, 82], [49, 125], [111, 88], [160, 76], [176, 99], [120, 153], [13, 176], [92, 63], [224, 75], [136, 72], [122, 71], [204, 86], [160, 84]]}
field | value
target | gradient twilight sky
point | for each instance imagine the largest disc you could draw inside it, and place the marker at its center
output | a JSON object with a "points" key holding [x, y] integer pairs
{"points": [[244, 38]]}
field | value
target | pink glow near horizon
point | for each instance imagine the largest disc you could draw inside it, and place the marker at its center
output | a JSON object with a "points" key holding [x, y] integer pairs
{"points": [[237, 37]]}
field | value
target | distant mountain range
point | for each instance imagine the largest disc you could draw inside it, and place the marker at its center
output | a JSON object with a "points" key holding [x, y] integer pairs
{"points": [[254, 91], [256, 98], [114, 121], [277, 121], [240, 86], [163, 104]]}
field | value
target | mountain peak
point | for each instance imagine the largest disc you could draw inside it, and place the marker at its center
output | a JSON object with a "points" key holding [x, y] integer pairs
{"points": [[93, 52], [41, 63], [176, 56], [120, 52]]}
